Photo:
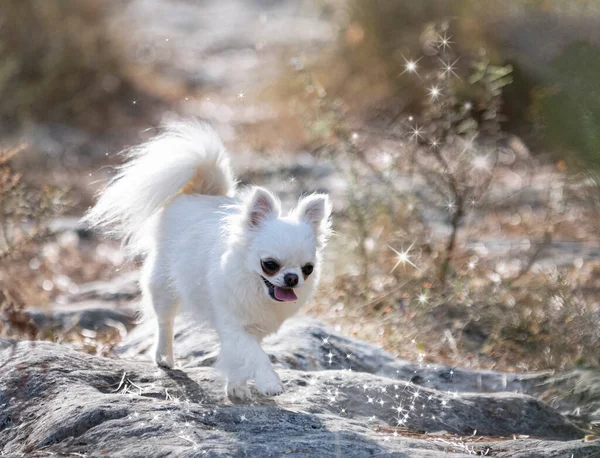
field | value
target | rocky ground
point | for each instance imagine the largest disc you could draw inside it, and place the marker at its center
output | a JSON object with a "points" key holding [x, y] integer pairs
{"points": [[343, 397]]}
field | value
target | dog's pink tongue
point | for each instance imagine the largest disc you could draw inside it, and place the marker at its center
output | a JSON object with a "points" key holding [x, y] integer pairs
{"points": [[285, 294]]}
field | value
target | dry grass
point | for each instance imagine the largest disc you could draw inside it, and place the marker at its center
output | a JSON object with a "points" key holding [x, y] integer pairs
{"points": [[430, 295]]}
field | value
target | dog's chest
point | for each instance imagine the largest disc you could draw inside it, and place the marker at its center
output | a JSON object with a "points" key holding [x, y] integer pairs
{"points": [[267, 320]]}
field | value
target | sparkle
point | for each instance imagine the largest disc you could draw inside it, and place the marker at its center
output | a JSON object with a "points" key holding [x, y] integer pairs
{"points": [[469, 144], [448, 68], [410, 66], [481, 163], [450, 206], [423, 298], [435, 143], [325, 340], [243, 418], [370, 400], [416, 132], [403, 257], [381, 402], [241, 95], [386, 160], [434, 92], [444, 41], [472, 265]]}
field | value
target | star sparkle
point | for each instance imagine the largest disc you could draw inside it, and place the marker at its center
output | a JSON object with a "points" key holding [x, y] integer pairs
{"points": [[448, 68], [444, 42], [416, 132], [411, 66], [481, 163], [450, 206], [403, 257], [434, 92]]}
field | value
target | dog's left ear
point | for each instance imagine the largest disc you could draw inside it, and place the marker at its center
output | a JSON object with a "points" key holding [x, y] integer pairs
{"points": [[316, 210]]}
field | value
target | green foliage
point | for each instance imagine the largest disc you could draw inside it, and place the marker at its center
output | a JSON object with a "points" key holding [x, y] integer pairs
{"points": [[567, 108], [553, 104]]}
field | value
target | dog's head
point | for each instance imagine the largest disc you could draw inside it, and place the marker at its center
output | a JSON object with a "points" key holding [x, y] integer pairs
{"points": [[285, 251]]}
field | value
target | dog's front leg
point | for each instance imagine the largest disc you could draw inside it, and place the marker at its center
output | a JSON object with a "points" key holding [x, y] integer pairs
{"points": [[243, 359]]}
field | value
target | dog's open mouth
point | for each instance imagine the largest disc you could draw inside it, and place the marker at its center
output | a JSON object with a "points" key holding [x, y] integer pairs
{"points": [[278, 293]]}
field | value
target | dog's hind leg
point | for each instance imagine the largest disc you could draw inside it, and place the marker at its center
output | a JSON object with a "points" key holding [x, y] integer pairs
{"points": [[159, 294]]}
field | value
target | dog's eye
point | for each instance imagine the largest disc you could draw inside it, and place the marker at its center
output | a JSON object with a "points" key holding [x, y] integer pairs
{"points": [[307, 269], [270, 266]]}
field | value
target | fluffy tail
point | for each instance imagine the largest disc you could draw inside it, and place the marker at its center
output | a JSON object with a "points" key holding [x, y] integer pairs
{"points": [[185, 157]]}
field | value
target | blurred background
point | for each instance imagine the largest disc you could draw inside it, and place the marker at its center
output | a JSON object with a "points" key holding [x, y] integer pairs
{"points": [[460, 141]]}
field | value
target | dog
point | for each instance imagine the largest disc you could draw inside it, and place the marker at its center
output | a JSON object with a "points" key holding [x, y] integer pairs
{"points": [[225, 256]]}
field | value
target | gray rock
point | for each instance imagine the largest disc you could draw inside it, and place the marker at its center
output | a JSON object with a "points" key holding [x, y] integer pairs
{"points": [[343, 397], [57, 400], [121, 288], [307, 344], [96, 316]]}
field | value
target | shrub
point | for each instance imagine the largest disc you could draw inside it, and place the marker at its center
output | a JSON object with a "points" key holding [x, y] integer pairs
{"points": [[57, 62]]}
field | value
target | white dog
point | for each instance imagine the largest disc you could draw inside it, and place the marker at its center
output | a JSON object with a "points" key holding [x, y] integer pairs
{"points": [[231, 260]]}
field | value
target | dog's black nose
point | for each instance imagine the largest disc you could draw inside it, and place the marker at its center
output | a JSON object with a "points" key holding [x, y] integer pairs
{"points": [[290, 280]]}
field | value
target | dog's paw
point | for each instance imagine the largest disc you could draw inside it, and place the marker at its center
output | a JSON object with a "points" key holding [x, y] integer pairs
{"points": [[165, 361], [269, 384], [239, 391]]}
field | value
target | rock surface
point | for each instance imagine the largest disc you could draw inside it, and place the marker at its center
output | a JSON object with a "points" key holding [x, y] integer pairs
{"points": [[343, 398]]}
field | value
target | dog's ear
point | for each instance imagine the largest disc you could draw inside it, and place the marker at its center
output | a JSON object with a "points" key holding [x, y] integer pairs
{"points": [[261, 205], [316, 210]]}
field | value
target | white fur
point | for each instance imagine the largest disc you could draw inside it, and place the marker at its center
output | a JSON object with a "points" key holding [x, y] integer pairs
{"points": [[204, 252]]}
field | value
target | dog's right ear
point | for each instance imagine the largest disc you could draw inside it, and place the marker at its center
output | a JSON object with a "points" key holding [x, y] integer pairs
{"points": [[260, 206]]}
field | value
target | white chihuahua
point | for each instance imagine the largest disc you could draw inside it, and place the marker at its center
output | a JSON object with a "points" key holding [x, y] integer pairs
{"points": [[230, 260]]}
